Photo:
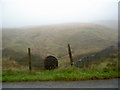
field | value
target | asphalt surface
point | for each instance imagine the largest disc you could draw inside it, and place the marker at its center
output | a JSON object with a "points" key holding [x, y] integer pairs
{"points": [[109, 83]]}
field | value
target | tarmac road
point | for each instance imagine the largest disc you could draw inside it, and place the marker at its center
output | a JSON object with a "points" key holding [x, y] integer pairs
{"points": [[109, 83]]}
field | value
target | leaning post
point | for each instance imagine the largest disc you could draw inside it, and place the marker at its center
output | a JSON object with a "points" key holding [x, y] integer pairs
{"points": [[70, 55]]}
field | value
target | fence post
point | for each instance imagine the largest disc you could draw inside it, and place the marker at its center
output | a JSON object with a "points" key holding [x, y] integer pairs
{"points": [[29, 59], [70, 55]]}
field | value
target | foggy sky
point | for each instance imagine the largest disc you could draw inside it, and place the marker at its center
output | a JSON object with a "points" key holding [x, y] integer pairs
{"points": [[20, 13]]}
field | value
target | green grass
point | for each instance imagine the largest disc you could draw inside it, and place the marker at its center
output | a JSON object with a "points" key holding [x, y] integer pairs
{"points": [[104, 68], [68, 74]]}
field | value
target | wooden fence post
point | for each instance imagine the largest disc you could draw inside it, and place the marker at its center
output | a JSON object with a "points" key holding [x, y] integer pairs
{"points": [[70, 54], [29, 59]]}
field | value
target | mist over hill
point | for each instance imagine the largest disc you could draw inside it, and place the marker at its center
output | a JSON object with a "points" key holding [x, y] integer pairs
{"points": [[113, 24], [53, 39]]}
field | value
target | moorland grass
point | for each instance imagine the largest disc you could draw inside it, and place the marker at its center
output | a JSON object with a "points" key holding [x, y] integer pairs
{"points": [[105, 69], [68, 74]]}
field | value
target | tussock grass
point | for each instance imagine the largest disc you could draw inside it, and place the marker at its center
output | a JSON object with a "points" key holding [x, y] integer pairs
{"points": [[68, 74], [99, 69]]}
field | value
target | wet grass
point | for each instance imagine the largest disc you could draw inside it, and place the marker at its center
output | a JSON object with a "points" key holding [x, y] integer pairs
{"points": [[103, 69], [68, 74]]}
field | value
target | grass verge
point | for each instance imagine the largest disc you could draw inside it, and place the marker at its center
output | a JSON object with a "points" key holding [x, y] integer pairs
{"points": [[99, 69], [68, 74]]}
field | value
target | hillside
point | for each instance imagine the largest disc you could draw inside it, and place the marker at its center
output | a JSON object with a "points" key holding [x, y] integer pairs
{"points": [[53, 39]]}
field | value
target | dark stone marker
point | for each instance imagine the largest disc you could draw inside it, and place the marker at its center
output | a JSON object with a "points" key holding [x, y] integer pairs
{"points": [[50, 62]]}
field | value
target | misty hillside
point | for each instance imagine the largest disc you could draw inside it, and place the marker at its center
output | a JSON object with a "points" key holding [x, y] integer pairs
{"points": [[44, 40], [109, 23]]}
